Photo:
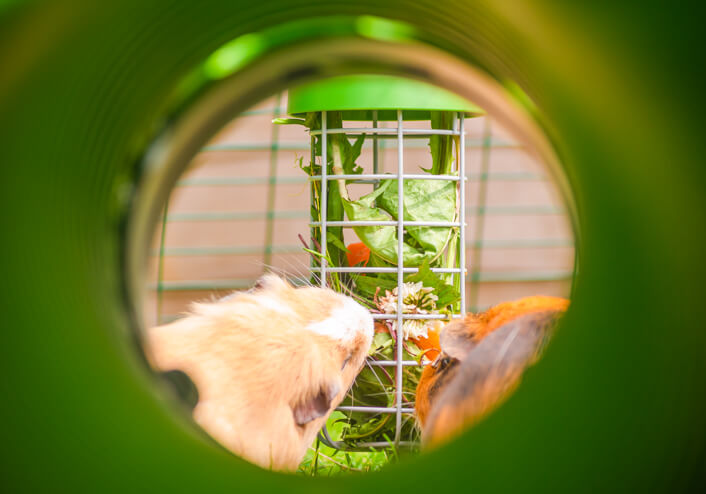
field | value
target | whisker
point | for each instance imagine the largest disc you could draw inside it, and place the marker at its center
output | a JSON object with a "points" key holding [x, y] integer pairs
{"points": [[289, 275], [301, 269], [290, 264], [376, 374]]}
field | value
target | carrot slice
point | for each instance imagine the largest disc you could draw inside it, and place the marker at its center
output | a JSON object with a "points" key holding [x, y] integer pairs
{"points": [[358, 253], [431, 342]]}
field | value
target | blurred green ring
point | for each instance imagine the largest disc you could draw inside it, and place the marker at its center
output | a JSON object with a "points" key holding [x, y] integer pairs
{"points": [[616, 404]]}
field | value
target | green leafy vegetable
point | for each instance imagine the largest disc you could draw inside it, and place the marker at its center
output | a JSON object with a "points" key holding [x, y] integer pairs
{"points": [[447, 294]]}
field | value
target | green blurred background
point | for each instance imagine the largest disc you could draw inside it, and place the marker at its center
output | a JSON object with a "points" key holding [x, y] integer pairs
{"points": [[617, 403]]}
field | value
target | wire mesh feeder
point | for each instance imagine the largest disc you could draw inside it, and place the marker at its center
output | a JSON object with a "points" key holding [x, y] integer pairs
{"points": [[429, 233]]}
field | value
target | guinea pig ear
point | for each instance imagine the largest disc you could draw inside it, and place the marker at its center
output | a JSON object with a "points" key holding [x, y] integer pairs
{"points": [[316, 405], [456, 339]]}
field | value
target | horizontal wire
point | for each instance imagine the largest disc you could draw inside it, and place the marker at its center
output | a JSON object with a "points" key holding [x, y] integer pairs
{"points": [[364, 447], [392, 363], [385, 176], [372, 409], [413, 316], [393, 131], [440, 224], [362, 270], [361, 446]]}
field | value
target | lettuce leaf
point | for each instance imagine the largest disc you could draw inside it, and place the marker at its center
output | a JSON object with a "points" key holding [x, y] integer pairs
{"points": [[448, 294], [424, 200]]}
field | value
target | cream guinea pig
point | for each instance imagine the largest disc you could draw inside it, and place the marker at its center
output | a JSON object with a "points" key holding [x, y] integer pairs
{"points": [[269, 365]]}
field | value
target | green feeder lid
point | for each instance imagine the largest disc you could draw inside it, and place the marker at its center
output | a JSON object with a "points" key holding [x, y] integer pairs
{"points": [[358, 95]]}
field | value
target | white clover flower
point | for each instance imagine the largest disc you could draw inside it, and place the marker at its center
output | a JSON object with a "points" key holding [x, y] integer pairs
{"points": [[416, 299], [414, 328]]}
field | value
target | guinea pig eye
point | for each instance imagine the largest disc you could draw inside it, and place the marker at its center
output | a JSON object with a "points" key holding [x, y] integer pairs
{"points": [[259, 285], [345, 362], [441, 362]]}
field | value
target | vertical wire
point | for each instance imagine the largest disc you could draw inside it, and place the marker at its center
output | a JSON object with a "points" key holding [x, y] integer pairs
{"points": [[324, 196], [271, 187], [312, 200], [324, 200], [400, 278], [462, 210], [382, 146], [480, 217], [375, 142]]}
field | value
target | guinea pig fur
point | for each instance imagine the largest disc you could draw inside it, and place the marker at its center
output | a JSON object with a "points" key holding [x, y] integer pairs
{"points": [[269, 365], [482, 360]]}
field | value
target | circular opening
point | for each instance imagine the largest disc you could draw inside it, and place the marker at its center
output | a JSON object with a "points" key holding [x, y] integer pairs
{"points": [[239, 203]]}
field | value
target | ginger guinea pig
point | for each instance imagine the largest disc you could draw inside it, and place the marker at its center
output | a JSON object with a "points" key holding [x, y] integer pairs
{"points": [[481, 362], [269, 365]]}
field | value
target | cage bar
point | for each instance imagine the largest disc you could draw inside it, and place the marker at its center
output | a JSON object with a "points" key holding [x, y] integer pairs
{"points": [[323, 200], [462, 210], [400, 276]]}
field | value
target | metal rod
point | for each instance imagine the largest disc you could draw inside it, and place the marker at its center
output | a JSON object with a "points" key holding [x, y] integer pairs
{"points": [[312, 199], [413, 316], [392, 363], [374, 409], [383, 146], [324, 197], [400, 275], [381, 444], [389, 131], [386, 270], [375, 142], [388, 176], [325, 438], [440, 224], [462, 211]]}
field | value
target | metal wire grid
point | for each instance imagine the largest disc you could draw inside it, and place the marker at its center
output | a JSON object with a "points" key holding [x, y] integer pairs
{"points": [[400, 132], [477, 245]]}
